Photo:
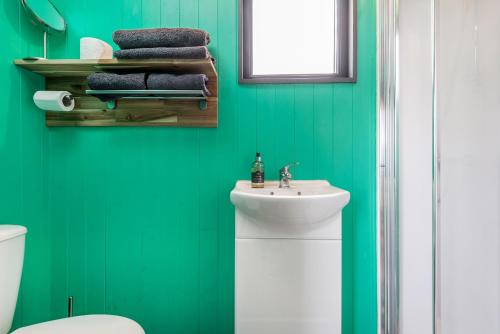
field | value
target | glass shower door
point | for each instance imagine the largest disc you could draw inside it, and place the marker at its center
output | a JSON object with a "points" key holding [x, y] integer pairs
{"points": [[467, 166]]}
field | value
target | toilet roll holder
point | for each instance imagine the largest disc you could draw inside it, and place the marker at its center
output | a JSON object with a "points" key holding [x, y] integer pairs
{"points": [[62, 101]]}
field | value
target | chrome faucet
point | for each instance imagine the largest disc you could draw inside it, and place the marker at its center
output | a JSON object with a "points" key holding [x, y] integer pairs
{"points": [[285, 175]]}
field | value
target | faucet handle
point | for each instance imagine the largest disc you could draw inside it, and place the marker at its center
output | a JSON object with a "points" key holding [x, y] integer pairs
{"points": [[285, 169]]}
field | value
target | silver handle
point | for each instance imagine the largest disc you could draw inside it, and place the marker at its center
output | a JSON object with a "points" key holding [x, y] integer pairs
{"points": [[287, 167]]}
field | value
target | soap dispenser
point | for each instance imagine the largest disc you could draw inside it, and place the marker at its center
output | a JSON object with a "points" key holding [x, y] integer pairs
{"points": [[257, 172]]}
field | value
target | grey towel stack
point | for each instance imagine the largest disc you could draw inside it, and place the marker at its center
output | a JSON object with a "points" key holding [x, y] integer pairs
{"points": [[172, 43], [142, 81], [167, 43]]}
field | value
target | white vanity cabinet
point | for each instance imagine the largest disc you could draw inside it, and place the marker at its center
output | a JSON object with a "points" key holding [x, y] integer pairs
{"points": [[288, 258]]}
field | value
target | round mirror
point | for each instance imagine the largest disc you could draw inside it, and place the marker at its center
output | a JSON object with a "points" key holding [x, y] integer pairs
{"points": [[44, 14]]}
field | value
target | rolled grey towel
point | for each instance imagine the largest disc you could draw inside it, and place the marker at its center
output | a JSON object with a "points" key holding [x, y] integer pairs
{"points": [[161, 37], [112, 81], [189, 52], [106, 81], [159, 81]]}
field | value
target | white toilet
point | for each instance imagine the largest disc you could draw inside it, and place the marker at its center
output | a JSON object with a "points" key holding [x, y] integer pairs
{"points": [[11, 265]]}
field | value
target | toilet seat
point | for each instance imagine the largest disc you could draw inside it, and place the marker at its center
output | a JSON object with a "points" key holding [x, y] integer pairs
{"points": [[85, 324]]}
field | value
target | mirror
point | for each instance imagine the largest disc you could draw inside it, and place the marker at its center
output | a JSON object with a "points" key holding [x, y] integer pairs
{"points": [[45, 15]]}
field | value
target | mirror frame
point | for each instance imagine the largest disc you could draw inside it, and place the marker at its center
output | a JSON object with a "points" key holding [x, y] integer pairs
{"points": [[37, 20]]}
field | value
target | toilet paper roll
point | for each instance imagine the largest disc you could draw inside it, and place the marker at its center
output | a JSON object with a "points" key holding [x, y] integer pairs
{"points": [[54, 100]]}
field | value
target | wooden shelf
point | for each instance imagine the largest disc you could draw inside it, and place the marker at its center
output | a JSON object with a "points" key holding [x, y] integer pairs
{"points": [[71, 75]]}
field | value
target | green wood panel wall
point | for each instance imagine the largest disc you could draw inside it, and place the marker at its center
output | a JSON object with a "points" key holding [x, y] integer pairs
{"points": [[137, 221], [23, 160]]}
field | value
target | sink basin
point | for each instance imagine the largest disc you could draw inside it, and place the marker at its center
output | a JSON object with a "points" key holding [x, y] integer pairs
{"points": [[305, 202]]}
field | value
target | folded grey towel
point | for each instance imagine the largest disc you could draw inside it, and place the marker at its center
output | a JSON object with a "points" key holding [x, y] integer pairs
{"points": [[161, 37], [112, 81], [189, 52], [178, 82], [101, 81]]}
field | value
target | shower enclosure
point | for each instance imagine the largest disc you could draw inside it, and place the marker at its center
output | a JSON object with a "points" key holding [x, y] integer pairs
{"points": [[467, 141], [439, 161]]}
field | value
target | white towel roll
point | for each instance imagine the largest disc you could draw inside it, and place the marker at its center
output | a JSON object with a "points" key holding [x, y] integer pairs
{"points": [[94, 48], [54, 100]]}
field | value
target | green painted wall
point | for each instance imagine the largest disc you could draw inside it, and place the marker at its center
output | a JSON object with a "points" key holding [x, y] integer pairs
{"points": [[24, 160], [137, 221]]}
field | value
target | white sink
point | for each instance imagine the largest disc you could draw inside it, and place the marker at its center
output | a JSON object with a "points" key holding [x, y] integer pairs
{"points": [[305, 202]]}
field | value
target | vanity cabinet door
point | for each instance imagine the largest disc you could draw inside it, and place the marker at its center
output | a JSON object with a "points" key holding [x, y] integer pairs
{"points": [[288, 286]]}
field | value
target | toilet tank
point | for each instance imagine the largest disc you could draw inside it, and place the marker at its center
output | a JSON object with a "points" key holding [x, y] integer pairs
{"points": [[11, 265]]}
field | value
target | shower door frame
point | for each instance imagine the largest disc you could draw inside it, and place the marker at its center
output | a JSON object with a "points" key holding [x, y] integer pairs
{"points": [[388, 170], [387, 165]]}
